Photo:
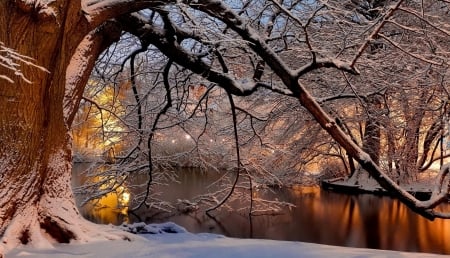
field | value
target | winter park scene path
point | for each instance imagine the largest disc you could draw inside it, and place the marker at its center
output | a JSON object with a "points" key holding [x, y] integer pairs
{"points": [[236, 120]]}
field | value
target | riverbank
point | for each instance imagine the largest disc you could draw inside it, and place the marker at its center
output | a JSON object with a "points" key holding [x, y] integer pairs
{"points": [[187, 245], [421, 190]]}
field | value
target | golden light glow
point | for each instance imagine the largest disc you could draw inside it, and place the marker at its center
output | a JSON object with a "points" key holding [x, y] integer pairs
{"points": [[98, 131], [126, 197], [123, 196], [108, 207]]}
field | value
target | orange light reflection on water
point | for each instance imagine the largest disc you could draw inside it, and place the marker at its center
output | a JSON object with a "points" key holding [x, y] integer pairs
{"points": [[369, 221], [110, 209], [319, 216]]}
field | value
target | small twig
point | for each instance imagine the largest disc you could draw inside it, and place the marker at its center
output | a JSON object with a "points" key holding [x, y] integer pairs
{"points": [[238, 155]]}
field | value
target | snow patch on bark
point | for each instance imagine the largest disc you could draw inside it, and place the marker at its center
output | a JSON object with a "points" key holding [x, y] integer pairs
{"points": [[45, 10], [364, 157], [11, 60], [93, 8], [24, 228], [7, 162], [41, 7]]}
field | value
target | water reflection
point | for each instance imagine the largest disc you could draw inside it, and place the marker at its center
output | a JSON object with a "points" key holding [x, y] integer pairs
{"points": [[110, 209], [319, 217]]}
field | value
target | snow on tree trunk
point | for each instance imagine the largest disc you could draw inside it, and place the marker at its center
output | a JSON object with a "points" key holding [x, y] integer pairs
{"points": [[36, 202]]}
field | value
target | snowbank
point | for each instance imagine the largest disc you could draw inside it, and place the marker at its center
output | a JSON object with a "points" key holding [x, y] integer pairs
{"points": [[169, 240]]}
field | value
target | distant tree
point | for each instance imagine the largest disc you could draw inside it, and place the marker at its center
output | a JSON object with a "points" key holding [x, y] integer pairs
{"points": [[222, 42]]}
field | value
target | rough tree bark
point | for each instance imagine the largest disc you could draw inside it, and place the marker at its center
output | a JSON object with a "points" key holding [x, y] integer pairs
{"points": [[36, 201]]}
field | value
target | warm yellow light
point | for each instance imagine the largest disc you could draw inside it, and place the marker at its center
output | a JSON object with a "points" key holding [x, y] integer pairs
{"points": [[100, 130], [126, 197], [123, 196]]}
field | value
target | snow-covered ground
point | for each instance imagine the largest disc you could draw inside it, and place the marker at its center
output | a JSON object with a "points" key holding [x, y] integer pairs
{"points": [[168, 240]]}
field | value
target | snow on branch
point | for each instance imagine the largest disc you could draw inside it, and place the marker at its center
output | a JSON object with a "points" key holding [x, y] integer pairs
{"points": [[172, 49], [238, 24], [381, 35], [99, 11], [11, 60], [375, 32], [427, 21], [325, 63], [440, 191], [352, 95]]}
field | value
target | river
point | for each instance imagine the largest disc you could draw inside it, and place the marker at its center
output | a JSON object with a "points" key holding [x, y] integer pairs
{"points": [[319, 216]]}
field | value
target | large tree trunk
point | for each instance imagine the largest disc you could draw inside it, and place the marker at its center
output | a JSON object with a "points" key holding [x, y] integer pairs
{"points": [[372, 132], [36, 200], [371, 143]]}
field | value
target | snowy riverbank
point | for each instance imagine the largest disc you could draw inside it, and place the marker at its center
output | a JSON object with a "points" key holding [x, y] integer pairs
{"points": [[182, 244]]}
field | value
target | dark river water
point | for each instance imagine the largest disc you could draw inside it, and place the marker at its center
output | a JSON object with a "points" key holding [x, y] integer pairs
{"points": [[319, 216]]}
